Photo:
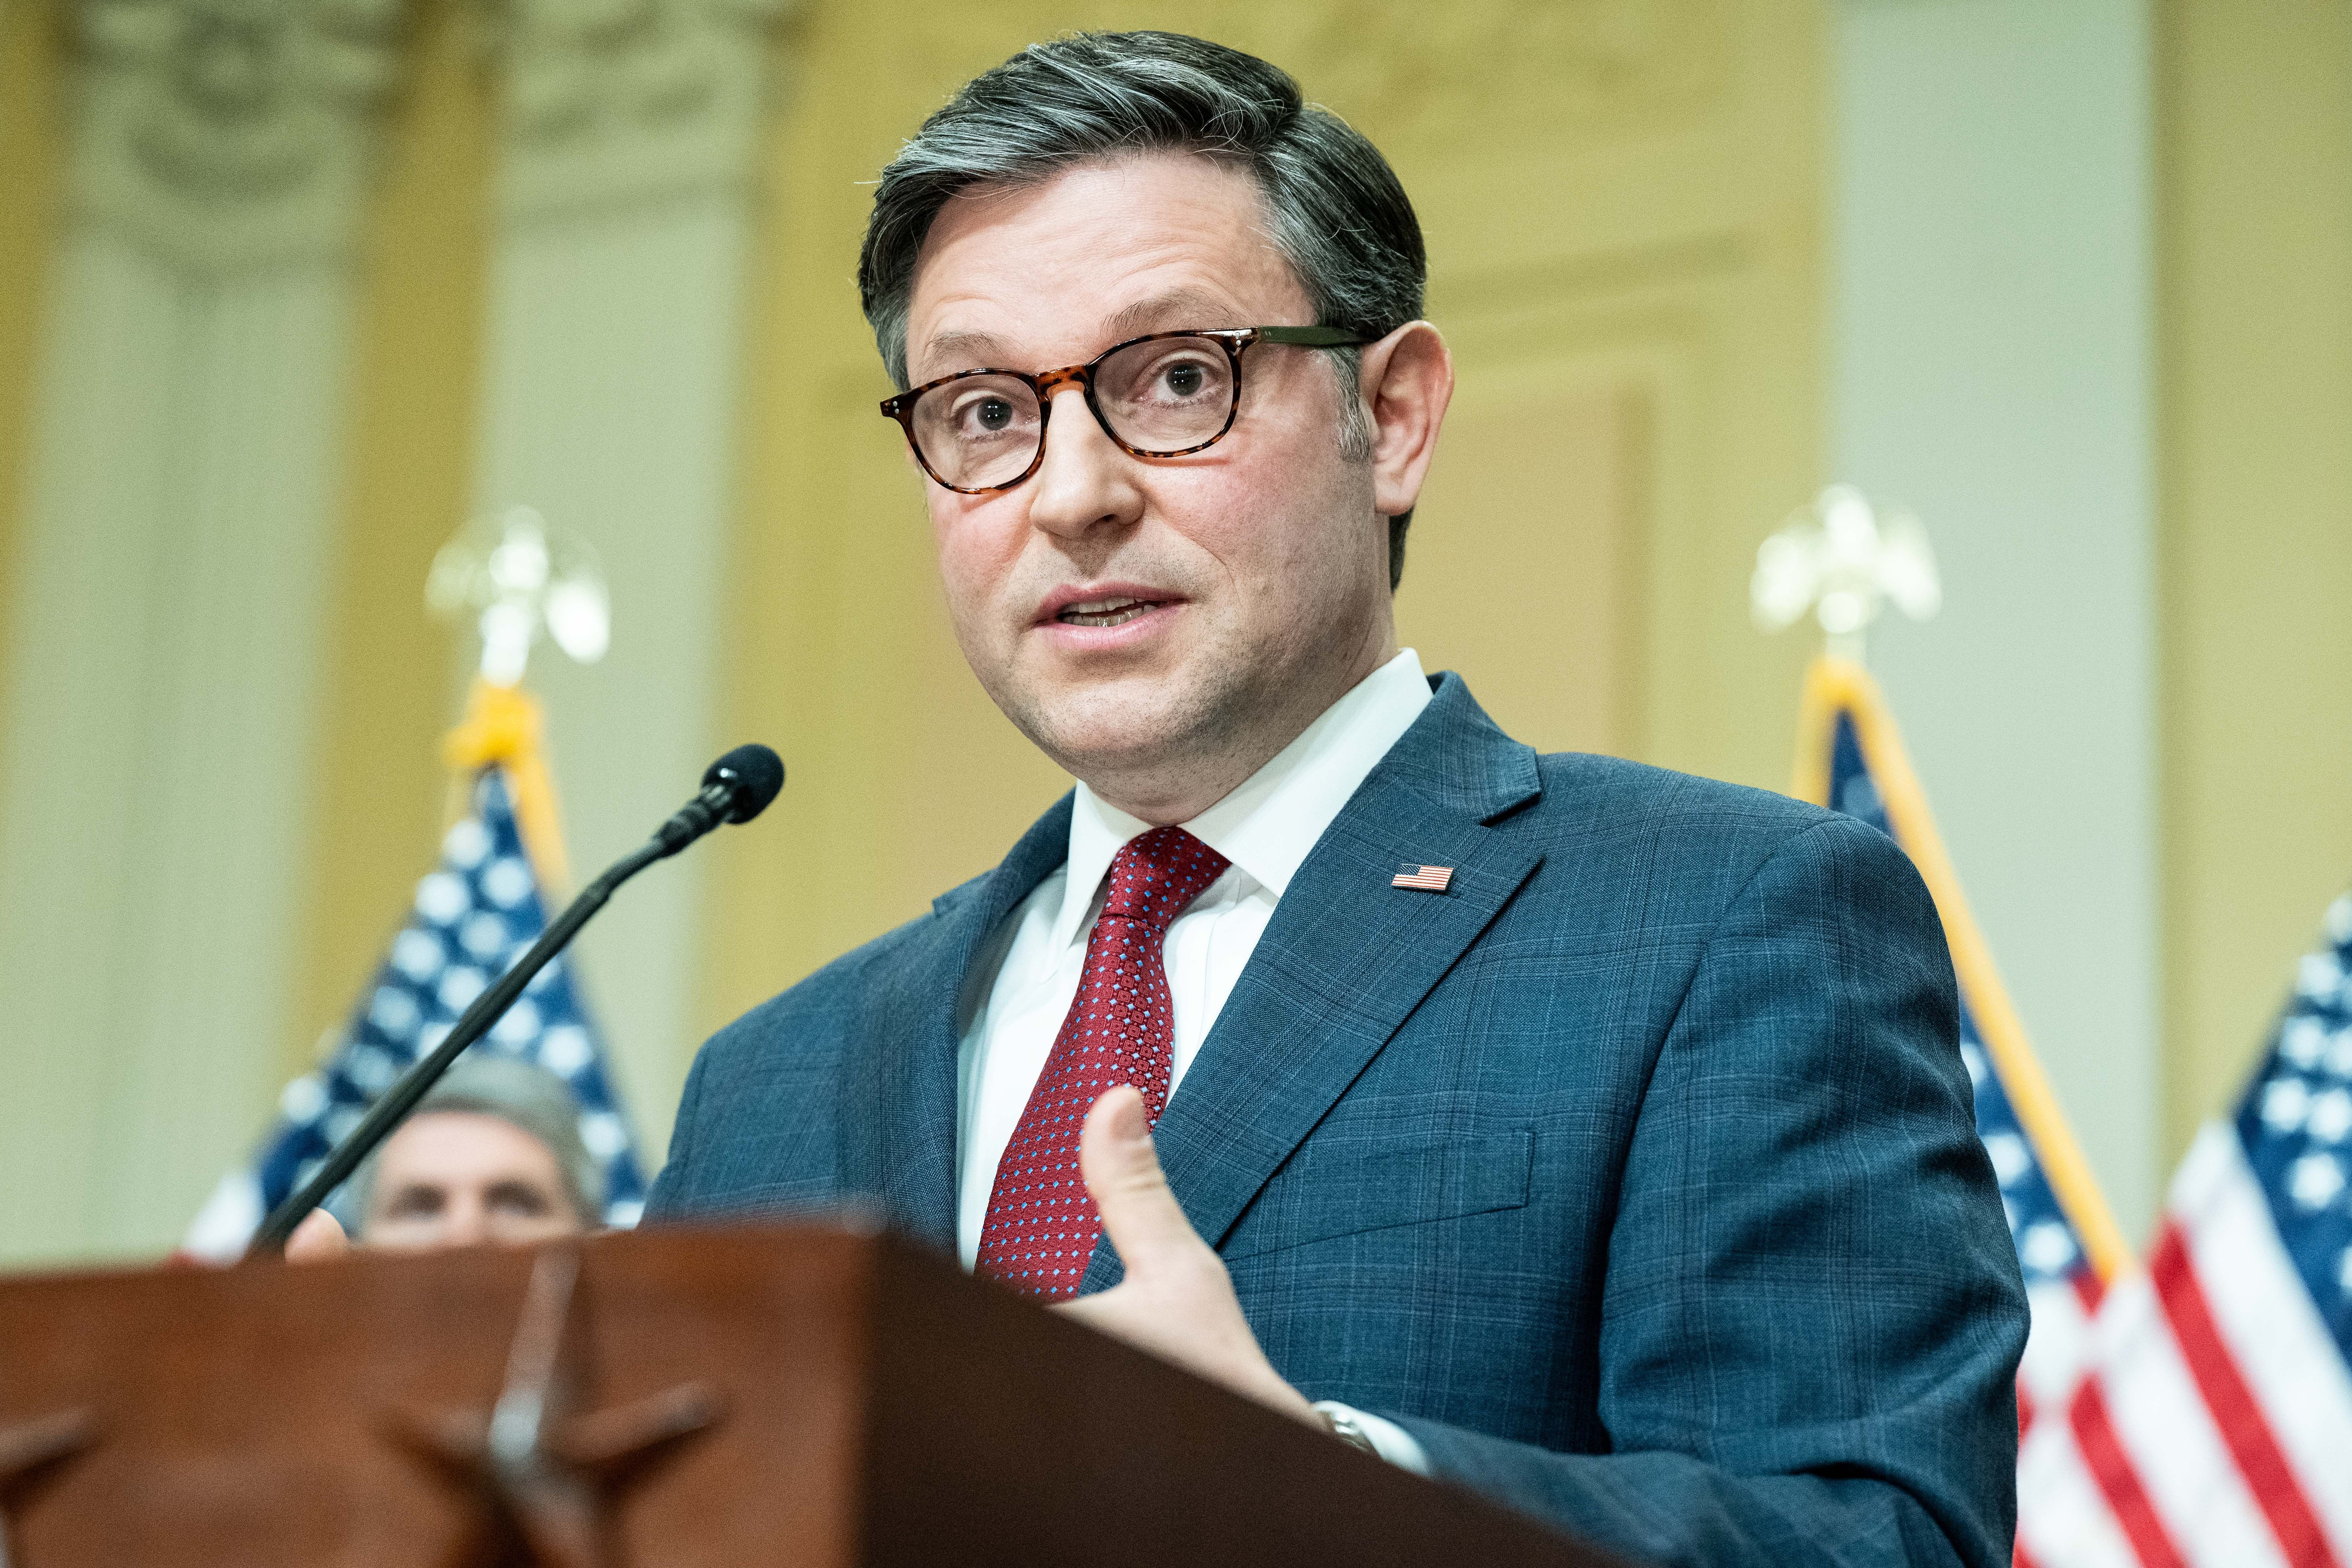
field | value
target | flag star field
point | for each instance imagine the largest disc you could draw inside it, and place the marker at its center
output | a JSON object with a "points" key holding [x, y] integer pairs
{"points": [[477, 912], [2296, 1124]]}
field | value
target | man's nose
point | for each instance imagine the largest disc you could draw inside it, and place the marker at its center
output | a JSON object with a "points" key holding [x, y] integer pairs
{"points": [[1087, 480], [468, 1222]]}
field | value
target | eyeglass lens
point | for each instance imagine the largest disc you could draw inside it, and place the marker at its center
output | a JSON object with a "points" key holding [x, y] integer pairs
{"points": [[1157, 397]]}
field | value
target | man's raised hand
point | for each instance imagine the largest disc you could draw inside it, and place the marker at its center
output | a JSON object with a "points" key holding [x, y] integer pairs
{"points": [[1176, 1302]]}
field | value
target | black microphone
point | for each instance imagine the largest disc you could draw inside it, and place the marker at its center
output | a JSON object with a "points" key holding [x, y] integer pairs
{"points": [[736, 788]]}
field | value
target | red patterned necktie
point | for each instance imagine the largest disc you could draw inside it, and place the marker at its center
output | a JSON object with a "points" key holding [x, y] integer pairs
{"points": [[1041, 1224]]}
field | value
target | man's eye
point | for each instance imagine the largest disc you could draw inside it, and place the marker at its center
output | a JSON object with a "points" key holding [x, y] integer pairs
{"points": [[985, 415], [1181, 377], [520, 1199], [414, 1202]]}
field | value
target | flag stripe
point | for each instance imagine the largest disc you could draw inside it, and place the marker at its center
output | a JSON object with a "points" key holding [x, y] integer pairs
{"points": [[2055, 1344], [2168, 1430], [2266, 1320], [2236, 1414], [2111, 1469], [226, 1223], [2069, 1523]]}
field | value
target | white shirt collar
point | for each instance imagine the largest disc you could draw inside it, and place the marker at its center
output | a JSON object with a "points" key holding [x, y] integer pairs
{"points": [[1266, 827]]}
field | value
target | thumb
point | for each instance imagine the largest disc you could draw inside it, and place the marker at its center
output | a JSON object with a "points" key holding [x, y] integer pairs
{"points": [[1139, 1214], [317, 1237]]}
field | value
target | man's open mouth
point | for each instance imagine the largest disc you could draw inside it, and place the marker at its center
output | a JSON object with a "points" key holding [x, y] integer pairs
{"points": [[1107, 612]]}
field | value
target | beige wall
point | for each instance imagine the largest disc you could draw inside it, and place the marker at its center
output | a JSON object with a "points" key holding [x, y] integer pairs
{"points": [[1625, 208], [1993, 322], [31, 168], [388, 691], [2255, 269]]}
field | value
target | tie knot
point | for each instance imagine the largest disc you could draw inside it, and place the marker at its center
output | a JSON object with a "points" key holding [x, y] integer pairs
{"points": [[1156, 875]]}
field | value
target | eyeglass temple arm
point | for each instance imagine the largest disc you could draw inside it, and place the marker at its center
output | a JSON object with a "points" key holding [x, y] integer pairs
{"points": [[1313, 337]]}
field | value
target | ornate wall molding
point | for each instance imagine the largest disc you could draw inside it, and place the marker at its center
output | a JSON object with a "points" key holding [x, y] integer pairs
{"points": [[232, 132], [1558, 73], [226, 133], [612, 102]]}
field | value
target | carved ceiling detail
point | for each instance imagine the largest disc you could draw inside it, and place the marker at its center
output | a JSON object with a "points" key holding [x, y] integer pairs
{"points": [[1432, 77], [228, 131], [606, 101], [234, 130]]}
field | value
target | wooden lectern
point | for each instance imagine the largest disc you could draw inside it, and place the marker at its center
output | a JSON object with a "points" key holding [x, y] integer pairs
{"points": [[670, 1399]]}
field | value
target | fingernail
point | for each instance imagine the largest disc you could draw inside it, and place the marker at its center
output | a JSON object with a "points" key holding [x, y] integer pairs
{"points": [[1128, 1119]]}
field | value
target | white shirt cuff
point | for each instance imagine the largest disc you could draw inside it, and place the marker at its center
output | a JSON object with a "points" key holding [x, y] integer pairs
{"points": [[1393, 1442]]}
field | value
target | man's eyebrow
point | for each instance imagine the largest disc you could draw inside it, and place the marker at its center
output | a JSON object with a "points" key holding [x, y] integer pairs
{"points": [[1177, 308], [977, 348], [511, 1187]]}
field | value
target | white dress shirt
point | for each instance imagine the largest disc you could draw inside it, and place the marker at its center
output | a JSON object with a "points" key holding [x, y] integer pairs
{"points": [[1265, 827]]}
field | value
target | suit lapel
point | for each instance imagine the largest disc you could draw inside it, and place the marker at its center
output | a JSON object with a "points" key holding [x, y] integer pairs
{"points": [[898, 1132], [1344, 960]]}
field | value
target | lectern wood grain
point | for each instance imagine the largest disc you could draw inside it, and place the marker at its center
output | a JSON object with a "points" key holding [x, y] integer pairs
{"points": [[754, 1395]]}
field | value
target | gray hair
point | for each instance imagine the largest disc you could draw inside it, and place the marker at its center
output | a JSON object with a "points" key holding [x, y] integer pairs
{"points": [[1336, 211], [524, 1095]]}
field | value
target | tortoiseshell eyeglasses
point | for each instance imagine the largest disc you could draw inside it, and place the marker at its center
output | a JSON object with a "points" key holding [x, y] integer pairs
{"points": [[1162, 395]]}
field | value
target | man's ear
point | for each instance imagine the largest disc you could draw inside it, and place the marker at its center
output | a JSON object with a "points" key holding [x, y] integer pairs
{"points": [[1407, 379]]}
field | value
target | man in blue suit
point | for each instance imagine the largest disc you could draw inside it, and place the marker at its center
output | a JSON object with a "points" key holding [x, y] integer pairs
{"points": [[1590, 1134]]}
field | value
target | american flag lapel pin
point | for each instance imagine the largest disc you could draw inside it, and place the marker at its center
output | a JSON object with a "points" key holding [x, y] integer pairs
{"points": [[1428, 879]]}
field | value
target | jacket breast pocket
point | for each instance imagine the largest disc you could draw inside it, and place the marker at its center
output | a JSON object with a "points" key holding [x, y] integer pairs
{"points": [[1347, 1187]]}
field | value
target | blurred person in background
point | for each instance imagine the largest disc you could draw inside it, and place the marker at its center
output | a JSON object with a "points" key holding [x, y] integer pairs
{"points": [[491, 1155]]}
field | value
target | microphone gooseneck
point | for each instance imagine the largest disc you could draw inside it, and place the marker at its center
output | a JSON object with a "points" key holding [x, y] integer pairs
{"points": [[736, 788]]}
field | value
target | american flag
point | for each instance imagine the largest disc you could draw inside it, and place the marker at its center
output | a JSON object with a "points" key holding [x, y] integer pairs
{"points": [[473, 915], [2212, 1421], [2198, 1413], [2063, 1284], [1850, 758], [1429, 878]]}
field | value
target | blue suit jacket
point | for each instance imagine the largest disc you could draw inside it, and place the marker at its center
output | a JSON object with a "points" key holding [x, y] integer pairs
{"points": [[1635, 1173]]}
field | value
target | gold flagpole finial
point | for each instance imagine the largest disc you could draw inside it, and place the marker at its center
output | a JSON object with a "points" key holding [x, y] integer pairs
{"points": [[1840, 560], [520, 578]]}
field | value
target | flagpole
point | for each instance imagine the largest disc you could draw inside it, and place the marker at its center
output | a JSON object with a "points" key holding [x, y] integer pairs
{"points": [[1841, 562], [519, 580], [502, 729]]}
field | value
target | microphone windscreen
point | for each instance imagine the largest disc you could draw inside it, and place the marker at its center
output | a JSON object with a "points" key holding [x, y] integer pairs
{"points": [[755, 774]]}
